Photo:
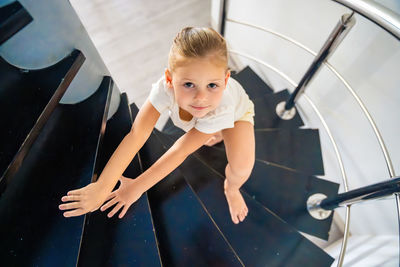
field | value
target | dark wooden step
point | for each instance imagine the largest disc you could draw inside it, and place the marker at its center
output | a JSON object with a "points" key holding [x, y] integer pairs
{"points": [[255, 87], [283, 191], [27, 99], [129, 241], [186, 234], [298, 149], [13, 17], [33, 229], [295, 149], [265, 110], [262, 239]]}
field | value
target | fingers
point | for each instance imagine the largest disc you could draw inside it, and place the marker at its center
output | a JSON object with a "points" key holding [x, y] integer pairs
{"points": [[72, 213], [75, 192], [109, 204], [69, 206], [115, 209], [124, 210], [110, 196], [70, 198]]}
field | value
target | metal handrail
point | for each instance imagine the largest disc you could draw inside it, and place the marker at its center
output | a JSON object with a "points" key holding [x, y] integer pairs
{"points": [[331, 138], [382, 16], [377, 133], [337, 35], [389, 21]]}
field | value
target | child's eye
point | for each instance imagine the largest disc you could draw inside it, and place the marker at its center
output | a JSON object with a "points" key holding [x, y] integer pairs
{"points": [[212, 85], [189, 85]]}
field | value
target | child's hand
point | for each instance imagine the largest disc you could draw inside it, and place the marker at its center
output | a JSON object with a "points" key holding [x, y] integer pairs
{"points": [[128, 193], [84, 200]]}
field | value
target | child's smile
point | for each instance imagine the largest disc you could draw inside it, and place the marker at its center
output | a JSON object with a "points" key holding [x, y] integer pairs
{"points": [[198, 86]]}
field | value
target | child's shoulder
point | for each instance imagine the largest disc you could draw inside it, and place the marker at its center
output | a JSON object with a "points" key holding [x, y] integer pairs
{"points": [[160, 87], [235, 88]]}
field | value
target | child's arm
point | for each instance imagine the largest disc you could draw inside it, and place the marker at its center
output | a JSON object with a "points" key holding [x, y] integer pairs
{"points": [[90, 197], [131, 189]]}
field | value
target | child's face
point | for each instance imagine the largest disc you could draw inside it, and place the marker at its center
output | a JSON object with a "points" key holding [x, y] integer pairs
{"points": [[198, 85]]}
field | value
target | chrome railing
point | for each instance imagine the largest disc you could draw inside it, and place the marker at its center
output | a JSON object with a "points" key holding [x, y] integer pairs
{"points": [[331, 138], [375, 12], [387, 20]]}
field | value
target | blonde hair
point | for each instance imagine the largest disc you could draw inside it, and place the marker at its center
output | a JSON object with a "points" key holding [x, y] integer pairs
{"points": [[193, 42]]}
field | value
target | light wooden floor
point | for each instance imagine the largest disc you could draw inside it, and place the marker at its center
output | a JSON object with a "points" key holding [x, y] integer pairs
{"points": [[134, 36]]}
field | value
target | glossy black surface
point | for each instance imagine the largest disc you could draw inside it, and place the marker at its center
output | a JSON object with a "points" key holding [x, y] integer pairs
{"points": [[119, 242], [262, 239], [265, 110], [33, 230], [13, 17], [282, 191], [30, 96], [297, 149], [255, 87], [185, 232]]}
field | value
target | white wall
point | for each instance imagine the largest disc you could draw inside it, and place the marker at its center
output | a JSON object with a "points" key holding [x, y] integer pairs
{"points": [[368, 58]]}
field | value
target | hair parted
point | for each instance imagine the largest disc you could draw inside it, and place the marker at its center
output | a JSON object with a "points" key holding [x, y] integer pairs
{"points": [[192, 42]]}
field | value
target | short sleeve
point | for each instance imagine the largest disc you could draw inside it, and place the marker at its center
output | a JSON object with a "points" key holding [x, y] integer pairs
{"points": [[221, 118], [159, 96]]}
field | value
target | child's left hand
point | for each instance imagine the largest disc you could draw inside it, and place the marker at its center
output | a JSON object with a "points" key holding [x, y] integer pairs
{"points": [[128, 193]]}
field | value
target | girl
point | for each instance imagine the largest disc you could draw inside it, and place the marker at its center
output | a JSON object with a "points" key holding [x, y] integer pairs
{"points": [[206, 103]]}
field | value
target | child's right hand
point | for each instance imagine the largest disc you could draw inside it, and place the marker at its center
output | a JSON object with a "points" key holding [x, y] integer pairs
{"points": [[84, 200], [129, 191]]}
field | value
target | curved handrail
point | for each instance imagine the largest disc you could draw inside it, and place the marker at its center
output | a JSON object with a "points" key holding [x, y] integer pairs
{"points": [[382, 16], [377, 133], [389, 21], [331, 138]]}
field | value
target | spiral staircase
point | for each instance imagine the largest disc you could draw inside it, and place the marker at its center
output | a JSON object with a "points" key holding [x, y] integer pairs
{"points": [[48, 148]]}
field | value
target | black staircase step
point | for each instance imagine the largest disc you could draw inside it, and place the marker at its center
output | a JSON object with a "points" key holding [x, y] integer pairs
{"points": [[186, 234], [295, 149], [282, 191], [265, 110], [298, 149], [32, 228], [262, 239], [27, 99], [255, 87], [129, 241], [13, 17]]}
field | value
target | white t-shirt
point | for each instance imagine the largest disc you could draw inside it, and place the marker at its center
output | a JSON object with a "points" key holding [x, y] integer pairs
{"points": [[234, 104]]}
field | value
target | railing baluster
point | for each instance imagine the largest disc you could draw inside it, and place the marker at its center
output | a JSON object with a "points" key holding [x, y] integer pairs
{"points": [[286, 110]]}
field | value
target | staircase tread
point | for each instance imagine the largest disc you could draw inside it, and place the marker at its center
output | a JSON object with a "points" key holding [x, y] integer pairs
{"points": [[289, 202], [185, 232], [126, 241], [252, 83], [295, 149], [298, 149], [265, 110], [33, 229], [26, 95], [262, 239]]}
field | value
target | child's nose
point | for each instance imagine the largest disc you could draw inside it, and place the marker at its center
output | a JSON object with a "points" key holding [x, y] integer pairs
{"points": [[201, 95]]}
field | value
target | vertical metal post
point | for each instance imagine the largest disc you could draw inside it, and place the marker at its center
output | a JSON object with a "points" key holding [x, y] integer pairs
{"points": [[285, 109]]}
